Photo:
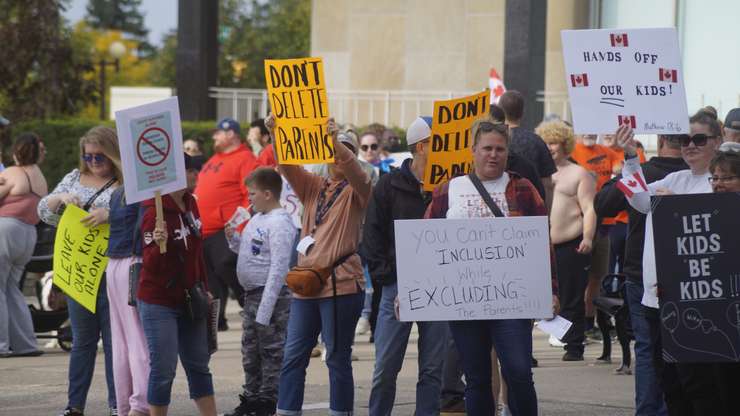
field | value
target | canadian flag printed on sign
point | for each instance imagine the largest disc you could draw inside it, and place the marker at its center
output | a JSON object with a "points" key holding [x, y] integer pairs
{"points": [[668, 75], [632, 185], [627, 121], [619, 39], [579, 80]]}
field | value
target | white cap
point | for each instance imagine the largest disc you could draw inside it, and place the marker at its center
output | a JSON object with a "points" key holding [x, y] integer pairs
{"points": [[420, 129]]}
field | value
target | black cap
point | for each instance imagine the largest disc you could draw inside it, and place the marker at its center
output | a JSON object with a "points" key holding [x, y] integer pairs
{"points": [[732, 121]]}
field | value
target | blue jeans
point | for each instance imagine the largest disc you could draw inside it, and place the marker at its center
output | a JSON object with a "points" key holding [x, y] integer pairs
{"points": [[648, 396], [170, 333], [87, 328], [391, 339], [512, 339], [308, 318], [367, 306]]}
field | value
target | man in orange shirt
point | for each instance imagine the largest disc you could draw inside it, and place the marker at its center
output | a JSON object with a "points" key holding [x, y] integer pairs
{"points": [[220, 190]]}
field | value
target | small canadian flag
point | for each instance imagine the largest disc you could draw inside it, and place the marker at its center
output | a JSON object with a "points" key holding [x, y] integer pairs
{"points": [[619, 39], [670, 75], [496, 85], [627, 121], [631, 185], [579, 80]]}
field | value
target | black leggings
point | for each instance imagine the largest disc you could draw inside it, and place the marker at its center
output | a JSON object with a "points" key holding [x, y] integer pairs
{"points": [[572, 269], [221, 265]]}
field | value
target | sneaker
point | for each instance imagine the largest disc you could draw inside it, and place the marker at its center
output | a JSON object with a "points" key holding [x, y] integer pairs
{"points": [[113, 411], [363, 325], [572, 356], [554, 342], [71, 411], [265, 407], [323, 354], [623, 370], [246, 407]]}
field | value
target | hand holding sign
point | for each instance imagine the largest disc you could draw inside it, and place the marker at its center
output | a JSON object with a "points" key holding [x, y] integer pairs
{"points": [[626, 140], [96, 217]]}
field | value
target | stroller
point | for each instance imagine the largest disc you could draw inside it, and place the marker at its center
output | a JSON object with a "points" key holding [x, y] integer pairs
{"points": [[51, 320], [609, 305]]}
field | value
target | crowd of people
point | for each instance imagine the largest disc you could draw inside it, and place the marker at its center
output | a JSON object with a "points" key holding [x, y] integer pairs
{"points": [[310, 276]]}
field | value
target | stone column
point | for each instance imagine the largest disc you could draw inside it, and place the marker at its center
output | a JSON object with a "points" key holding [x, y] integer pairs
{"points": [[524, 54], [197, 57]]}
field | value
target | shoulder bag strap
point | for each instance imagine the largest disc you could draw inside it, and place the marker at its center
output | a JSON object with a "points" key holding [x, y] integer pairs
{"points": [[485, 195], [92, 199]]}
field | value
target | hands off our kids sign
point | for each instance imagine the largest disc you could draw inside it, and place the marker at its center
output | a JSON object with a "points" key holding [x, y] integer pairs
{"points": [[625, 76]]}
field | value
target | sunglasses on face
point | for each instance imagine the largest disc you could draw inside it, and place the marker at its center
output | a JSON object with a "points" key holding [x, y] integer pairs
{"points": [[97, 157], [698, 139], [373, 146]]}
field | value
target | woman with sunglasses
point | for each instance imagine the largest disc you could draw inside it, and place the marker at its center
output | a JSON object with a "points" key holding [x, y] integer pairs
{"points": [[23, 185], [88, 187], [694, 386]]}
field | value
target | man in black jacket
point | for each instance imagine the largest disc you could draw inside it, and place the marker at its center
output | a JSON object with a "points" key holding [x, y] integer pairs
{"points": [[645, 326], [399, 195]]}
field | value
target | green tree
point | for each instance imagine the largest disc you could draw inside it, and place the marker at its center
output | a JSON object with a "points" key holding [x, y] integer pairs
{"points": [[256, 30], [121, 15], [43, 67], [163, 71]]}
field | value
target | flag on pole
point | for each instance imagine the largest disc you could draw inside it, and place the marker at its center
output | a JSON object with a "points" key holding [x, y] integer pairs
{"points": [[496, 85]]}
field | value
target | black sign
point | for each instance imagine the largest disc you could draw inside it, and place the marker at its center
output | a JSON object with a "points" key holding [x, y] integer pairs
{"points": [[697, 254]]}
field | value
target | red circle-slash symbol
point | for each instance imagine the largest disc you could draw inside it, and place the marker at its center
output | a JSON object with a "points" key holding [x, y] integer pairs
{"points": [[153, 150]]}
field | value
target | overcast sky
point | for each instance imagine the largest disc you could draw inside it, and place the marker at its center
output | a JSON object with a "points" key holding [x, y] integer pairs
{"points": [[159, 16]]}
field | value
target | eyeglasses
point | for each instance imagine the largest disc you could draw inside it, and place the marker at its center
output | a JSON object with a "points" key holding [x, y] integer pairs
{"points": [[723, 179], [373, 146], [487, 126], [97, 157], [698, 139]]}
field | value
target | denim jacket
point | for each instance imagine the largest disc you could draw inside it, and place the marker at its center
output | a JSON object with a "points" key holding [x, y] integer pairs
{"points": [[123, 226]]}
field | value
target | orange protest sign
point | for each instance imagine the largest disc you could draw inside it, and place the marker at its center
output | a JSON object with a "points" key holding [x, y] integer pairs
{"points": [[450, 153], [297, 96]]}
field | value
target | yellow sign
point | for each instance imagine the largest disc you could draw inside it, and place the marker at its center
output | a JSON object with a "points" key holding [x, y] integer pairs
{"points": [[79, 257], [297, 95], [450, 153]]}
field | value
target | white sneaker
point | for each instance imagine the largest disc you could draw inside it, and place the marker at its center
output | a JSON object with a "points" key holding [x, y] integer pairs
{"points": [[363, 326], [554, 342], [323, 353]]}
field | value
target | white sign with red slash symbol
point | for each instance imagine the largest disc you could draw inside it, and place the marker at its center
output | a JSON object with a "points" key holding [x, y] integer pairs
{"points": [[625, 77], [150, 141]]}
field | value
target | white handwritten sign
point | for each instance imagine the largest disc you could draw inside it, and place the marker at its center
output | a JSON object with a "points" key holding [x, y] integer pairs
{"points": [[485, 268], [625, 76]]}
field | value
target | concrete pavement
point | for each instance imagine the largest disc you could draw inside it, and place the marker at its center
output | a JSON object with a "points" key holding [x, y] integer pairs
{"points": [[37, 386]]}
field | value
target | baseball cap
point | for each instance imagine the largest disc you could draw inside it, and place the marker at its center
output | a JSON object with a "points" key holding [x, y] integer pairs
{"points": [[732, 121], [229, 124], [420, 129], [349, 137]]}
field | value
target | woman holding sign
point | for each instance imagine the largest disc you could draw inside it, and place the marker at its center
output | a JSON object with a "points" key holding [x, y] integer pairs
{"points": [[21, 188], [490, 191], [334, 209], [89, 187]]}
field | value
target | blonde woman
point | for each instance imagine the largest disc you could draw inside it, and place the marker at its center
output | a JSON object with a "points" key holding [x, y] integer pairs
{"points": [[89, 187]]}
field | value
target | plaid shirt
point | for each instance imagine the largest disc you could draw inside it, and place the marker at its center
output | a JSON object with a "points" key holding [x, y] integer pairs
{"points": [[521, 197]]}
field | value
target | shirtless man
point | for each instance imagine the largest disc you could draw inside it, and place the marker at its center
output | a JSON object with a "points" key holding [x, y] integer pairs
{"points": [[572, 228]]}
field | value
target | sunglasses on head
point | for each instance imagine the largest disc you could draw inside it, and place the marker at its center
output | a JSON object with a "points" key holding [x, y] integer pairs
{"points": [[97, 157], [698, 139], [373, 146], [487, 126]]}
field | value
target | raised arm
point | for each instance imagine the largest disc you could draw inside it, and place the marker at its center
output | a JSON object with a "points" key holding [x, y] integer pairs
{"points": [[350, 166], [298, 178]]}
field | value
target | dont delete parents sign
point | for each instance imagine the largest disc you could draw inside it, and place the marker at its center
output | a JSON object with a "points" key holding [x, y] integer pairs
{"points": [[625, 76], [471, 269]]}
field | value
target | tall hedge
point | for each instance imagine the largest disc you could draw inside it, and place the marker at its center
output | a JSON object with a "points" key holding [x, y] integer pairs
{"points": [[61, 138]]}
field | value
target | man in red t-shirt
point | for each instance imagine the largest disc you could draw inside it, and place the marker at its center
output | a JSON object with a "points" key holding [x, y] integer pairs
{"points": [[219, 192]]}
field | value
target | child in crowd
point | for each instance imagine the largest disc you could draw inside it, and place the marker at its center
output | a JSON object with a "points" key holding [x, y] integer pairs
{"points": [[264, 247]]}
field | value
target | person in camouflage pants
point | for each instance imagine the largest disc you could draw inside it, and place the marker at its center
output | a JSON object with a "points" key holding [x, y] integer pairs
{"points": [[262, 346]]}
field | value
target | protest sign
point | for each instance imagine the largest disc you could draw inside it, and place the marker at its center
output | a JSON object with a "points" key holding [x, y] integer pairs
{"points": [[470, 269], [150, 141], [297, 95], [696, 254], [625, 76], [79, 257], [451, 143]]}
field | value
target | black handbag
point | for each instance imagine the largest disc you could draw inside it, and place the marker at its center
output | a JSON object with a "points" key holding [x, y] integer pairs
{"points": [[196, 302]]}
